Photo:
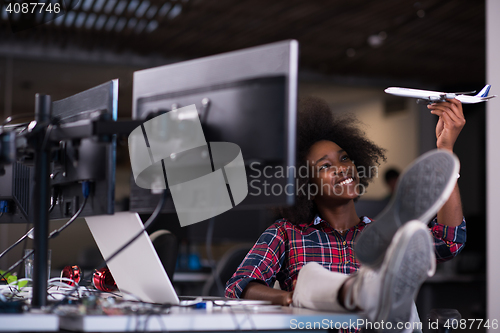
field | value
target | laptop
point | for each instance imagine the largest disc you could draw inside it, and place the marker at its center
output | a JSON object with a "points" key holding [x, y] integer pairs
{"points": [[137, 270]]}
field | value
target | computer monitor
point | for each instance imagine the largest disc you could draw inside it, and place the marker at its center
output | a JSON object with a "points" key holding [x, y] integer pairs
{"points": [[86, 159], [246, 97], [16, 190], [74, 161]]}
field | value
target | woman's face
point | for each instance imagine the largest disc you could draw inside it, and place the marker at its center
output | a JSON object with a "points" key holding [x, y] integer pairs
{"points": [[333, 173]]}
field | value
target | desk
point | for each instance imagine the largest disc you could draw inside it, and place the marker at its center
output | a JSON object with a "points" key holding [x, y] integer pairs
{"points": [[27, 322], [259, 318]]}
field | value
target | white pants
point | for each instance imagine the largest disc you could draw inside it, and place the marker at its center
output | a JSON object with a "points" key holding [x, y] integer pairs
{"points": [[318, 289]]}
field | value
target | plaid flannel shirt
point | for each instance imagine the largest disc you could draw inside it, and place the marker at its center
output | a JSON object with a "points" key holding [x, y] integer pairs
{"points": [[282, 250]]}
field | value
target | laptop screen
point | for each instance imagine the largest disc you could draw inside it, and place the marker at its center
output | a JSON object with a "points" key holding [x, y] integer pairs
{"points": [[137, 270]]}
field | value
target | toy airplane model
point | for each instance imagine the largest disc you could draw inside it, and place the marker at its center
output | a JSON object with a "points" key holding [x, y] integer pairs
{"points": [[427, 96]]}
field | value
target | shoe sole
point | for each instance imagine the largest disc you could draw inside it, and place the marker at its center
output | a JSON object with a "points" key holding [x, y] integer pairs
{"points": [[408, 262], [422, 190]]}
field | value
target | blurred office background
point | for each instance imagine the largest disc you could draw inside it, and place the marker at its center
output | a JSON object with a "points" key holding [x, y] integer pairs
{"points": [[350, 51]]}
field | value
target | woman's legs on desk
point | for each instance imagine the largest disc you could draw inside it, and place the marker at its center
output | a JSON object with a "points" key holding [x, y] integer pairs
{"points": [[384, 293]]}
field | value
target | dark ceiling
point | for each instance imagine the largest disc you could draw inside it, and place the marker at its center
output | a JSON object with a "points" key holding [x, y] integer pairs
{"points": [[433, 42]]}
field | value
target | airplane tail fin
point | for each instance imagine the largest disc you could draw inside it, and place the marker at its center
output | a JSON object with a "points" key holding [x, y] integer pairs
{"points": [[484, 92]]}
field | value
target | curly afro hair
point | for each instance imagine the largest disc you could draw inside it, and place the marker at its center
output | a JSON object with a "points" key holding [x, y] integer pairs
{"points": [[316, 122]]}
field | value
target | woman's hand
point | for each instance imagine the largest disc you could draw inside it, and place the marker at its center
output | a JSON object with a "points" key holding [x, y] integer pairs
{"points": [[287, 298], [256, 290], [450, 123]]}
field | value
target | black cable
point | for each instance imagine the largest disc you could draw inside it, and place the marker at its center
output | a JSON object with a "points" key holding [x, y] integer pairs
{"points": [[16, 243], [16, 264], [20, 267], [27, 234], [54, 233], [2, 277], [147, 224]]}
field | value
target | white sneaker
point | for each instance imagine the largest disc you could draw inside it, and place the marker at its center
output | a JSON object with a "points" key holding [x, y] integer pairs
{"points": [[421, 191], [386, 294]]}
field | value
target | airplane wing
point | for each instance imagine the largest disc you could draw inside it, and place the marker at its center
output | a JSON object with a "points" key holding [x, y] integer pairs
{"points": [[432, 99]]}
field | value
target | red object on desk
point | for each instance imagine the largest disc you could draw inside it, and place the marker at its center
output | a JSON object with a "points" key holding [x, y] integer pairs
{"points": [[72, 272], [103, 280]]}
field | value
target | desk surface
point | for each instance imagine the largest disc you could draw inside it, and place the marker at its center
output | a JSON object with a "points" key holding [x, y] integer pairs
{"points": [[27, 322], [218, 319]]}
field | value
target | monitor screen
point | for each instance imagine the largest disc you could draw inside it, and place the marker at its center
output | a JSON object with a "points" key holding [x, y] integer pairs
{"points": [[246, 97]]}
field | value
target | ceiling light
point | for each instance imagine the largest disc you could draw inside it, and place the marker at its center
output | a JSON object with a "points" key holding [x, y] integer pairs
{"points": [[350, 52], [377, 40]]}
